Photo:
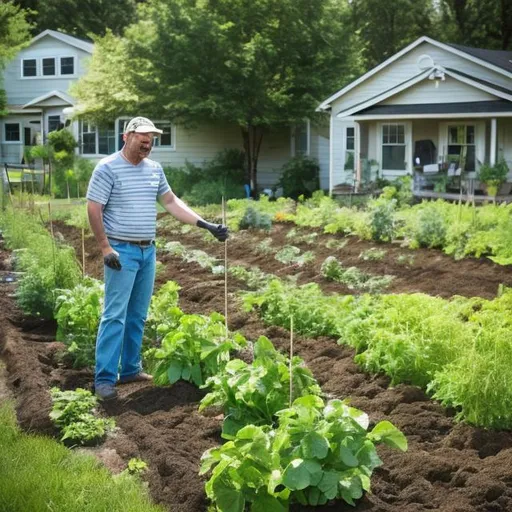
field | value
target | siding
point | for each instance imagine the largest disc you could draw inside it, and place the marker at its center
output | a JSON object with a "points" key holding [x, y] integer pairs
{"points": [[406, 67], [22, 90], [449, 91]]}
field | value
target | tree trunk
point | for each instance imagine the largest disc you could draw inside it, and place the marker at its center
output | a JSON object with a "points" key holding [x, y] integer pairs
{"points": [[252, 137]]}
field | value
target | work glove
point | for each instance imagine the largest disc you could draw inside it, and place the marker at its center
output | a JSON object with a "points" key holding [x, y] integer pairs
{"points": [[111, 260], [219, 231]]}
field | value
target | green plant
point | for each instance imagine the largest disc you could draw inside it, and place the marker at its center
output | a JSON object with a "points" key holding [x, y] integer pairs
{"points": [[493, 175], [73, 413], [136, 466], [254, 219], [254, 393], [78, 313], [373, 254], [317, 453], [299, 176], [194, 347]]}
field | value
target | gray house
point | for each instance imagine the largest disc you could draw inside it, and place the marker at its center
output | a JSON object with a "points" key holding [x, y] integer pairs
{"points": [[37, 83], [428, 107]]}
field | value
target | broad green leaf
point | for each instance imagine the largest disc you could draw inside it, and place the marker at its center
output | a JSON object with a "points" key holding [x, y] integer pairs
{"points": [[196, 374], [185, 374], [174, 371], [347, 457], [266, 503], [386, 432], [314, 446], [296, 475], [227, 499], [249, 432], [329, 484]]}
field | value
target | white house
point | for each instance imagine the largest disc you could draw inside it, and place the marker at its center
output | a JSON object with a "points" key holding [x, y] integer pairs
{"points": [[431, 103], [37, 84]]}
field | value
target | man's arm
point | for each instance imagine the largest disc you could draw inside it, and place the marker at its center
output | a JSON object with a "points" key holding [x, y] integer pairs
{"points": [[178, 209], [95, 214]]}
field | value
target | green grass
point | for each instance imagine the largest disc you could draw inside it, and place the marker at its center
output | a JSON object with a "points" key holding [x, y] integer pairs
{"points": [[39, 474]]}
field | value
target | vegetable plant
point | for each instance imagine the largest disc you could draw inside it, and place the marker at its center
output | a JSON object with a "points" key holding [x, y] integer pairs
{"points": [[254, 393]]}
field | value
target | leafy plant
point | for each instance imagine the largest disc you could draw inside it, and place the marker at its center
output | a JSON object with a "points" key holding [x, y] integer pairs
{"points": [[73, 413], [317, 453], [373, 254], [299, 176], [136, 466], [493, 174], [254, 393], [194, 347], [254, 219], [78, 313]]}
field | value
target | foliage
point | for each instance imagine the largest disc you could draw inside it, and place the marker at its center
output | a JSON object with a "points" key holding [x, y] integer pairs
{"points": [[299, 176], [253, 277], [220, 64], [254, 393], [73, 413], [431, 230], [317, 453], [53, 474], [352, 277], [382, 220], [194, 347], [493, 174], [290, 255], [136, 466], [254, 219], [78, 313], [373, 254]]}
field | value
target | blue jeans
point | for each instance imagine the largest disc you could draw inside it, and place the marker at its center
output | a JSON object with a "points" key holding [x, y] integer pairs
{"points": [[127, 296]]}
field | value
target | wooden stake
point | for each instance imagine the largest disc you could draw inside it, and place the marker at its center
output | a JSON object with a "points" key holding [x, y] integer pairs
{"points": [[224, 221], [291, 357], [83, 252]]}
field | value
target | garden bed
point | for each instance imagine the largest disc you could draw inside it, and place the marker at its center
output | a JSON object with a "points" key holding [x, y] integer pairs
{"points": [[448, 467]]}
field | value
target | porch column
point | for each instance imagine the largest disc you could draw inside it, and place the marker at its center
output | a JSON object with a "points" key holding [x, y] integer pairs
{"points": [[331, 163], [357, 151], [492, 154]]}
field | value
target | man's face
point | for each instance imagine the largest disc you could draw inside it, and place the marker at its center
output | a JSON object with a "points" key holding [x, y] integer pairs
{"points": [[138, 144]]}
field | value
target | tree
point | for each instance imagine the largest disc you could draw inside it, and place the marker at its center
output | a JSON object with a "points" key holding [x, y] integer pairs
{"points": [[387, 27], [14, 34], [261, 64], [479, 23], [81, 18]]}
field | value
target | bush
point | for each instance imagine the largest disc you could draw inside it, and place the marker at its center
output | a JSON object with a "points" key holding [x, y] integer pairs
{"points": [[182, 179], [211, 192], [254, 219], [300, 176]]}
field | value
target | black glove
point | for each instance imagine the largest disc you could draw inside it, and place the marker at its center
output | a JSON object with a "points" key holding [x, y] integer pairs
{"points": [[111, 260], [219, 231]]}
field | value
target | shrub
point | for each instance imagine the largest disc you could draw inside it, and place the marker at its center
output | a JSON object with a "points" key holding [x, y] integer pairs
{"points": [[254, 219], [300, 176]]}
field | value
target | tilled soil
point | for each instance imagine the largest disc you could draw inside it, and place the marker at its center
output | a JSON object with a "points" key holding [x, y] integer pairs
{"points": [[449, 467]]}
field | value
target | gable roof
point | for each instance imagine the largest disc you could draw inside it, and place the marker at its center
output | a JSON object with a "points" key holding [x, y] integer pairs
{"points": [[478, 58], [36, 102], [500, 58], [86, 46]]}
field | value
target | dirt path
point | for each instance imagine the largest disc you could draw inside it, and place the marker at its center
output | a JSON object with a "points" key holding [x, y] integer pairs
{"points": [[449, 467]]}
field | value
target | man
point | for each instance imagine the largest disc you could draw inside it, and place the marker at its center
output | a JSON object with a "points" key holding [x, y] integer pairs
{"points": [[121, 205]]}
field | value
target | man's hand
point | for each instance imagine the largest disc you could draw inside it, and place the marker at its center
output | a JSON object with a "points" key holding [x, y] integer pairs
{"points": [[111, 260], [219, 231]]}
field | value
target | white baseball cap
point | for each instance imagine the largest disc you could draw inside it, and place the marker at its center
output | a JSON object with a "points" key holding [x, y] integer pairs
{"points": [[141, 125]]}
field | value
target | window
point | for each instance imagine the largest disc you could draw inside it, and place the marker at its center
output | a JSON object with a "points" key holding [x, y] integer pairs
{"points": [[97, 140], [461, 146], [300, 139], [12, 132], [49, 66], [165, 139], [67, 65], [349, 148], [29, 67], [53, 123], [393, 147]]}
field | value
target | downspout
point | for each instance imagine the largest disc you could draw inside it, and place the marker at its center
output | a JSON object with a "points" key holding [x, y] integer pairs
{"points": [[494, 131], [357, 156], [331, 163]]}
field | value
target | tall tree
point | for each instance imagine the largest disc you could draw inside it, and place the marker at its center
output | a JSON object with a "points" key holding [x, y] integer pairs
{"points": [[81, 18], [14, 34], [260, 64], [387, 27], [479, 23]]}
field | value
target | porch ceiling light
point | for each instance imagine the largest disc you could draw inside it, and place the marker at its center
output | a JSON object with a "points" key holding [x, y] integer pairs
{"points": [[437, 75]]}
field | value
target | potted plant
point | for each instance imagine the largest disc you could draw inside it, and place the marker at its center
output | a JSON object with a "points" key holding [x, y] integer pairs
{"points": [[493, 176]]}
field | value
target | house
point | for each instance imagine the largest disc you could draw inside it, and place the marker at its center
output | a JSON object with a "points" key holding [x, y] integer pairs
{"points": [[431, 106], [37, 84]]}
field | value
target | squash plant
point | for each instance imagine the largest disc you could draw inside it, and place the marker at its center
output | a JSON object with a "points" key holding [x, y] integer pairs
{"points": [[316, 454], [254, 393]]}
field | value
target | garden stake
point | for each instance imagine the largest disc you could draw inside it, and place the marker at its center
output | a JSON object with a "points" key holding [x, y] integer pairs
{"points": [[291, 357], [53, 244], [83, 252], [224, 221]]}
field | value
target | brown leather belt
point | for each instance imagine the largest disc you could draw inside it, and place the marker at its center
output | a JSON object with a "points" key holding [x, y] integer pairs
{"points": [[140, 243]]}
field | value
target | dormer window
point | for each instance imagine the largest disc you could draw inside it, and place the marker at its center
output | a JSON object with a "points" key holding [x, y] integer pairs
{"points": [[29, 67], [49, 66]]}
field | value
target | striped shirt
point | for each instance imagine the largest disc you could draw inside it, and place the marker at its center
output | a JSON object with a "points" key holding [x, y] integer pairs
{"points": [[129, 194]]}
